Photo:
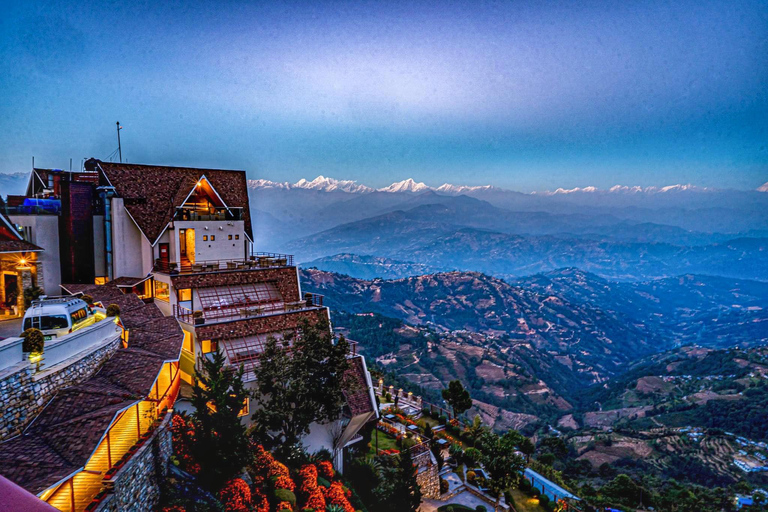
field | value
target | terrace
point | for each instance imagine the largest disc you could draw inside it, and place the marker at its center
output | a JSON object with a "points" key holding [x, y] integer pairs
{"points": [[219, 306], [194, 212], [258, 260]]}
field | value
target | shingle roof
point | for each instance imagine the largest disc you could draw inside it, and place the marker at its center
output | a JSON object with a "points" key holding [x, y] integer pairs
{"points": [[18, 246], [63, 436], [356, 392], [152, 192]]}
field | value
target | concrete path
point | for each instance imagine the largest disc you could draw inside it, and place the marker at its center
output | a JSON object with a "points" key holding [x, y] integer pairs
{"points": [[465, 498]]}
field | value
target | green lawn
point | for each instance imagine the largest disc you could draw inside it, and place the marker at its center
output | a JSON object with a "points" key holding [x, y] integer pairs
{"points": [[524, 503], [386, 442]]}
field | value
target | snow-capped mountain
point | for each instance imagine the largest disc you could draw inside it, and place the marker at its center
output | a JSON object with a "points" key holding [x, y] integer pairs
{"points": [[447, 188], [330, 184], [408, 185], [763, 187], [623, 189], [320, 183]]}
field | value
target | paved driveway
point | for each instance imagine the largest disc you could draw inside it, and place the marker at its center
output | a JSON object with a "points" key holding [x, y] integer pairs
{"points": [[465, 498], [10, 328]]}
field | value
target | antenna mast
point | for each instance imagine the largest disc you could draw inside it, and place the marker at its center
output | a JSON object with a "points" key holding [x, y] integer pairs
{"points": [[119, 147]]}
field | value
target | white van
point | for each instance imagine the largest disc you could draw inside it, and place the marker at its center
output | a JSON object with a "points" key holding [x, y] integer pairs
{"points": [[57, 317]]}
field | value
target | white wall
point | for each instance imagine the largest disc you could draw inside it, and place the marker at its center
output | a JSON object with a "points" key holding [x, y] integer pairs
{"points": [[45, 234], [128, 243], [222, 248]]}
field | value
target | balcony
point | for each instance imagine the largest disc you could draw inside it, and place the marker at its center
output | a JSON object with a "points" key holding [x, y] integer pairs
{"points": [[213, 213], [256, 261], [228, 313]]}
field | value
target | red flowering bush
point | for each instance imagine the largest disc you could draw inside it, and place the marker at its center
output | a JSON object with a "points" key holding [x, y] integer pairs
{"points": [[325, 469], [236, 496], [284, 482], [316, 500], [335, 495], [183, 435], [284, 505], [259, 501], [308, 476]]}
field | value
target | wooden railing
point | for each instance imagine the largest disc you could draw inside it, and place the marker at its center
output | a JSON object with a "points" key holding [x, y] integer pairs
{"points": [[239, 312]]}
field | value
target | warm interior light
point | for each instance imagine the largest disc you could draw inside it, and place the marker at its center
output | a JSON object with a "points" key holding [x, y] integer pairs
{"points": [[23, 261], [199, 183]]}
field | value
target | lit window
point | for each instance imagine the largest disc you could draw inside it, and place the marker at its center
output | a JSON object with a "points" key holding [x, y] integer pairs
{"points": [[162, 291], [100, 280], [205, 238], [213, 238], [237, 237], [210, 346], [185, 294], [246, 409], [230, 237], [188, 345]]}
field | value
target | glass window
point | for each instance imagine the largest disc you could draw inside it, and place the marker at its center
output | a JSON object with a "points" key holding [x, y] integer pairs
{"points": [[213, 238], [80, 314], [210, 346], [230, 237], [46, 323], [237, 237], [185, 294], [161, 291], [187, 344], [205, 238]]}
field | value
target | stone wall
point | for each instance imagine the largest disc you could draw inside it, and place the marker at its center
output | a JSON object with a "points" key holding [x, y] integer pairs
{"points": [[137, 486], [24, 392], [427, 476]]}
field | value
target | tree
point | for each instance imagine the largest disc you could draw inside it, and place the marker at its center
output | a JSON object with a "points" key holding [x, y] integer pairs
{"points": [[297, 386], [406, 495], [501, 462], [527, 448], [476, 429], [220, 444], [457, 397]]}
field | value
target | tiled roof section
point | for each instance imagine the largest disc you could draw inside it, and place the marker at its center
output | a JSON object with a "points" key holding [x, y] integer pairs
{"points": [[63, 436], [258, 325], [18, 246], [129, 282], [151, 192], [356, 392], [285, 279]]}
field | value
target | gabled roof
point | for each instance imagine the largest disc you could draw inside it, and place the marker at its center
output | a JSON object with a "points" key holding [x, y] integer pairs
{"points": [[356, 391], [13, 241], [151, 193], [64, 435]]}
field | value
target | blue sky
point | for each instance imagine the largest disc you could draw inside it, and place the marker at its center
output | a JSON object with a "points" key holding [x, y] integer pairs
{"points": [[524, 95]]}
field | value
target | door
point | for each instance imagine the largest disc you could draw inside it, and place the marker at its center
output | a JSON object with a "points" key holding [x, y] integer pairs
{"points": [[165, 256], [11, 286], [183, 243]]}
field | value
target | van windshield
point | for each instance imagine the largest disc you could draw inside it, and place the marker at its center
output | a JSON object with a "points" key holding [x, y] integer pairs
{"points": [[46, 323]]}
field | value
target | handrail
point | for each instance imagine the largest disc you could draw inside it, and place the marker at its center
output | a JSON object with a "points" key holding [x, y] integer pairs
{"points": [[255, 262], [240, 312]]}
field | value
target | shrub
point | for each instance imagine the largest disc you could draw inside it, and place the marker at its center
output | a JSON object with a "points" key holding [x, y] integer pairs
{"points": [[472, 456], [444, 486], [481, 508], [88, 299], [113, 310], [282, 495], [323, 482], [471, 476], [236, 496], [544, 500], [31, 293], [525, 485], [34, 341]]}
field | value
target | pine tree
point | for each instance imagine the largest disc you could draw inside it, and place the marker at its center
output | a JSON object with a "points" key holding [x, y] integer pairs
{"points": [[299, 385], [220, 444], [457, 397], [406, 494]]}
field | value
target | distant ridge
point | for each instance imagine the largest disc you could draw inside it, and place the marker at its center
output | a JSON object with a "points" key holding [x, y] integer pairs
{"points": [[325, 184]]}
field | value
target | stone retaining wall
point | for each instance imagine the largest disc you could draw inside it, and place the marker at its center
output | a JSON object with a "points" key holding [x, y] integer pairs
{"points": [[137, 485], [25, 392]]}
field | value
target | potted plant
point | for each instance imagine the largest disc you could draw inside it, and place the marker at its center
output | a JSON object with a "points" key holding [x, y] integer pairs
{"points": [[198, 316], [33, 344]]}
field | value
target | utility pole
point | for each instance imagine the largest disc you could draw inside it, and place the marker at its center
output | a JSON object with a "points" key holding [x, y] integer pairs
{"points": [[119, 147]]}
